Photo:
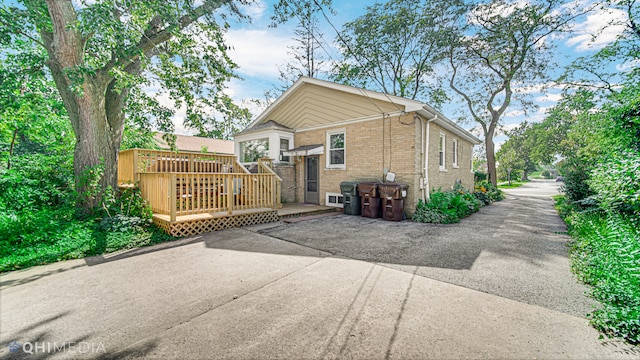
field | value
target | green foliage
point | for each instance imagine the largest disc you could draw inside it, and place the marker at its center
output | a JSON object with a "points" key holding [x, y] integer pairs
{"points": [[616, 184], [479, 176], [39, 223], [545, 174], [447, 207], [395, 46], [36, 181], [487, 193], [575, 185], [605, 254]]}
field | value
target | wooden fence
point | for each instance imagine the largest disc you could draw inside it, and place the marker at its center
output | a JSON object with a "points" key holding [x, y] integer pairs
{"points": [[133, 162], [178, 194]]}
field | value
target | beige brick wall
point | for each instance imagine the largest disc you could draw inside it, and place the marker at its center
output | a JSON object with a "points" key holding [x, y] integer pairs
{"points": [[392, 144], [371, 147], [445, 179], [288, 174]]}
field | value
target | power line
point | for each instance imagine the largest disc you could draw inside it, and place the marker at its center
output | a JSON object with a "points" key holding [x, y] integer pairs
{"points": [[341, 38]]}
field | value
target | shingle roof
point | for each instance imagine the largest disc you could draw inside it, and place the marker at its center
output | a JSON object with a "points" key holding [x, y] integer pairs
{"points": [[266, 125], [196, 143]]}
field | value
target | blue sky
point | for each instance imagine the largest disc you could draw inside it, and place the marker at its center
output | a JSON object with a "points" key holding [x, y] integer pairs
{"points": [[258, 49]]}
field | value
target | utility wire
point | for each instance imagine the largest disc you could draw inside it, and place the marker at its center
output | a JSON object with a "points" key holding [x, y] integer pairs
{"points": [[344, 42]]}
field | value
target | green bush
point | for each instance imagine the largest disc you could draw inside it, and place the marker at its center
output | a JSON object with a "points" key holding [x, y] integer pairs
{"points": [[36, 181], [605, 254], [479, 176], [546, 174], [491, 191], [447, 207], [39, 223], [575, 185], [616, 184]]}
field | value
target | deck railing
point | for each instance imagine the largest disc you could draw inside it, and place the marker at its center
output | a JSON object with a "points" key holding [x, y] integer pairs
{"points": [[187, 183], [265, 166], [177, 194], [133, 162]]}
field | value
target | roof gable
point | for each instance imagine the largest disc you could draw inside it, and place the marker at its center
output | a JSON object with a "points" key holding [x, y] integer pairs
{"points": [[311, 102]]}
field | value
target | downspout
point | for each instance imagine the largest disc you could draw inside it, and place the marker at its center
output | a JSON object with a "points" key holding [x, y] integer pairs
{"points": [[425, 171]]}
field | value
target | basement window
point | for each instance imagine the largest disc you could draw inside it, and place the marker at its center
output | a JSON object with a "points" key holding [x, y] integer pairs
{"points": [[335, 199]]}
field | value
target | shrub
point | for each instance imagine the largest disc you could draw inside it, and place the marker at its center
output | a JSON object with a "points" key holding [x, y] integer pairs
{"points": [[447, 207], [479, 176], [491, 192], [575, 185], [545, 174], [616, 184], [605, 254]]}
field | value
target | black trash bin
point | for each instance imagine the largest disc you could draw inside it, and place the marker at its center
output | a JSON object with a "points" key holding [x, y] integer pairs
{"points": [[369, 199], [392, 196], [350, 197]]}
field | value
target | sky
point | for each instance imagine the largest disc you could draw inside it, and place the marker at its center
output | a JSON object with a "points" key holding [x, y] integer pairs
{"points": [[259, 49]]}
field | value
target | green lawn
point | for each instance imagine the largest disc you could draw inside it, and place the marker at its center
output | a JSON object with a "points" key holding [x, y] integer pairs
{"points": [[514, 184]]}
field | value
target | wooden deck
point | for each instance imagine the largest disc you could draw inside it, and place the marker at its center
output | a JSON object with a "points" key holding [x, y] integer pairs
{"points": [[194, 224]]}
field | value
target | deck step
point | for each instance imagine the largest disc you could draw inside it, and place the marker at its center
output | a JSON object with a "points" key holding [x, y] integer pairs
{"points": [[310, 217], [310, 213]]}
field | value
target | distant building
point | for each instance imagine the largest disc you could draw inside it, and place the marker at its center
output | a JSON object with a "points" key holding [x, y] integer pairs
{"points": [[198, 144]]}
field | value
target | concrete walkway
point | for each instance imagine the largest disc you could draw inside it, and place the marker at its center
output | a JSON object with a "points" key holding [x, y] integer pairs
{"points": [[495, 286]]}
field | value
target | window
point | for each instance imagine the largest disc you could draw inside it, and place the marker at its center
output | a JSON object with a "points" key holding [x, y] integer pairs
{"points": [[441, 152], [336, 153], [455, 153], [334, 199], [284, 146], [252, 150]]}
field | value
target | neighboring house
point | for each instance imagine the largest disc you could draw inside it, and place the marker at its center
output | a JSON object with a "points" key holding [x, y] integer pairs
{"points": [[321, 133], [198, 144]]}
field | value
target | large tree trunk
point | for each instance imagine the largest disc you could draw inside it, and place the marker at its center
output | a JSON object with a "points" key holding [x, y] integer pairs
{"points": [[95, 161], [491, 155], [94, 107]]}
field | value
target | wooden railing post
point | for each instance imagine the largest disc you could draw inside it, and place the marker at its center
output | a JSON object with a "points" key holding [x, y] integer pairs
{"points": [[172, 191], [230, 190]]}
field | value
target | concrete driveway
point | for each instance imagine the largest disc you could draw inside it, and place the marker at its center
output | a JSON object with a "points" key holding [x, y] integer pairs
{"points": [[497, 285]]}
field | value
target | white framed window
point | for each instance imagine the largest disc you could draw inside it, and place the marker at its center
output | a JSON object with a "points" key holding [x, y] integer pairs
{"points": [[252, 150], [441, 151], [336, 145], [284, 146], [454, 150], [334, 199]]}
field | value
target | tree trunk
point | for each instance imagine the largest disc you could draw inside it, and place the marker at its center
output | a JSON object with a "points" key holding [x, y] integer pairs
{"points": [[491, 155], [94, 107], [95, 162]]}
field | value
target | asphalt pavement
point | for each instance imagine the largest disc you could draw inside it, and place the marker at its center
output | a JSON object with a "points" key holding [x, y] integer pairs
{"points": [[497, 285]]}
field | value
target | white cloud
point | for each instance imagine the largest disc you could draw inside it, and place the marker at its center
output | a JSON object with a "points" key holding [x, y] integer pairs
{"points": [[628, 66], [599, 29], [255, 10], [553, 97], [258, 52]]}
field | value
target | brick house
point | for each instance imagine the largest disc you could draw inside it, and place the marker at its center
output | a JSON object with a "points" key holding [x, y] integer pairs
{"points": [[321, 133]]}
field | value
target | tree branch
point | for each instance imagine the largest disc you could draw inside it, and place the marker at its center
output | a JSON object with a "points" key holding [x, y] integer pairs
{"points": [[462, 93], [152, 39]]}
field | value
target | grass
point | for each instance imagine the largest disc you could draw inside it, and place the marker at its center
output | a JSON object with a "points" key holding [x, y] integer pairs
{"points": [[49, 235], [514, 184]]}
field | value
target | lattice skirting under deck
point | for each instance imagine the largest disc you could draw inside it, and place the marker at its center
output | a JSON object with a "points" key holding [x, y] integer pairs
{"points": [[199, 226]]}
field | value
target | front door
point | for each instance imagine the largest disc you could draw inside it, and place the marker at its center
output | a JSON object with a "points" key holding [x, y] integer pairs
{"points": [[311, 186]]}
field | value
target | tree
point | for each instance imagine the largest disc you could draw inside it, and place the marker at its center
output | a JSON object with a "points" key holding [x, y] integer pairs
{"points": [[516, 152], [500, 45], [394, 48], [33, 117], [305, 53], [100, 53]]}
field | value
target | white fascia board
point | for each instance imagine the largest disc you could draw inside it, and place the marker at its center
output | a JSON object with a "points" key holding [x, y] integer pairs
{"points": [[430, 113]]}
